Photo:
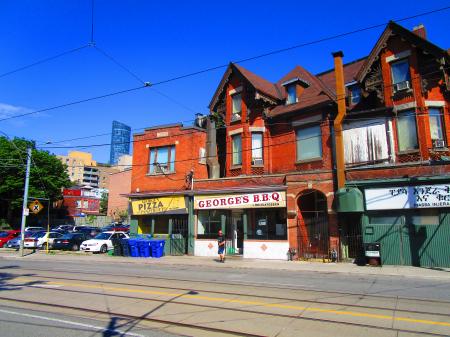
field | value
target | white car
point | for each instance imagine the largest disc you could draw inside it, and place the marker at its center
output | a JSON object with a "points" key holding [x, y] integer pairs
{"points": [[102, 242], [39, 239]]}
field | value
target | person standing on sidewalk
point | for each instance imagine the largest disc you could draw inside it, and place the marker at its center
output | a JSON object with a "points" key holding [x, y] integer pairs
{"points": [[221, 246]]}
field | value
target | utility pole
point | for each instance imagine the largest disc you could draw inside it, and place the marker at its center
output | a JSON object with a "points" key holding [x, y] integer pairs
{"points": [[25, 201]]}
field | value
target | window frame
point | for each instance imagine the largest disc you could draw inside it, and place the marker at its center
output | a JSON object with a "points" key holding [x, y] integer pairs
{"points": [[260, 134], [352, 90], [408, 73], [291, 91], [236, 115], [297, 143], [413, 114], [440, 118], [152, 166], [233, 137]]}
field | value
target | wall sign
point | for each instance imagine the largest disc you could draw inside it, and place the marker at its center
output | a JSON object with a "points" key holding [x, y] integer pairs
{"points": [[251, 200], [421, 196], [158, 205]]}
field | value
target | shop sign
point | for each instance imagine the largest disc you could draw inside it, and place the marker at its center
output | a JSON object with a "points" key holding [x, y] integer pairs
{"points": [[251, 200], [421, 196], [158, 205]]}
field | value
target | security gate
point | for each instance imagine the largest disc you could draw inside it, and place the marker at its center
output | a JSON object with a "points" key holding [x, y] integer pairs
{"points": [[313, 237], [179, 239]]}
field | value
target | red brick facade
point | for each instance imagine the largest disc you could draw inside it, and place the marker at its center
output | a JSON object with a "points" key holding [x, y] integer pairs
{"points": [[119, 184]]}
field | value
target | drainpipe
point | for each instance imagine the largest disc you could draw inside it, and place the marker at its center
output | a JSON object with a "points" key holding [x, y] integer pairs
{"points": [[340, 96]]}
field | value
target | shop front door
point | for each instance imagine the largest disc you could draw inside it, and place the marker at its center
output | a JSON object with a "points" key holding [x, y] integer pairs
{"points": [[235, 234]]}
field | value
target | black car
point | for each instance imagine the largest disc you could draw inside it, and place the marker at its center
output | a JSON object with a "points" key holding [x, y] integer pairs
{"points": [[89, 231], [70, 241]]}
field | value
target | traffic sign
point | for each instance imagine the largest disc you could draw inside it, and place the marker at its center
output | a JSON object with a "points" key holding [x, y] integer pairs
{"points": [[35, 206]]}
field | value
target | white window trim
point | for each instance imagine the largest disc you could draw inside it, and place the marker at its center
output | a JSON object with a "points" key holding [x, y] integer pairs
{"points": [[398, 56], [235, 132], [437, 104], [405, 106], [235, 91], [257, 129]]}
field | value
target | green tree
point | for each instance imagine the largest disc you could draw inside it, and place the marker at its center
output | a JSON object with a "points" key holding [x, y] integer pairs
{"points": [[104, 203], [47, 175]]}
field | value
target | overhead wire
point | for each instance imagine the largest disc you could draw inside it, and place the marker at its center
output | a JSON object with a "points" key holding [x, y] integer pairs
{"points": [[225, 65]]}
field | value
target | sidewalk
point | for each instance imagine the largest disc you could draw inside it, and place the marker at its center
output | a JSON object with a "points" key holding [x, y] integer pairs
{"points": [[294, 266]]}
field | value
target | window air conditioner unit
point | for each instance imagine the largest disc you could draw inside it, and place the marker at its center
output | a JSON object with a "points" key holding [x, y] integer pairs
{"points": [[401, 86], [257, 162], [438, 143]]}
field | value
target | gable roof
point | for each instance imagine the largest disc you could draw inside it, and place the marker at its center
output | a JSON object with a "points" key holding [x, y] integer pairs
{"points": [[260, 84], [316, 93], [394, 28], [350, 70]]}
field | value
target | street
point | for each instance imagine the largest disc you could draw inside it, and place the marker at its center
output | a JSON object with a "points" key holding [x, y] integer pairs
{"points": [[87, 297]]}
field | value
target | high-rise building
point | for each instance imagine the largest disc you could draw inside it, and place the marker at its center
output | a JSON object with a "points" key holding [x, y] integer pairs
{"points": [[120, 141]]}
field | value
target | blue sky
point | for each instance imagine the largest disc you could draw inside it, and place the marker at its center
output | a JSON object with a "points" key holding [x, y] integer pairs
{"points": [[162, 39]]}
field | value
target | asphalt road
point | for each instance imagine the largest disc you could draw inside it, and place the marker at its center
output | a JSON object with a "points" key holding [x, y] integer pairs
{"points": [[108, 299]]}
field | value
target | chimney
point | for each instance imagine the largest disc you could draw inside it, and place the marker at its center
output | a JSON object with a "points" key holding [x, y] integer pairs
{"points": [[420, 31], [211, 150], [342, 110]]}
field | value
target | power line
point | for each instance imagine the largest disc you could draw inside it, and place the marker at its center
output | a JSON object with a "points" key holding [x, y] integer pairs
{"points": [[44, 60], [239, 61]]}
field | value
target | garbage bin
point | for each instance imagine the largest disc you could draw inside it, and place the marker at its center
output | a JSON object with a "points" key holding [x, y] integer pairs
{"points": [[372, 252], [117, 247], [144, 248], [157, 248], [125, 247], [134, 248]]}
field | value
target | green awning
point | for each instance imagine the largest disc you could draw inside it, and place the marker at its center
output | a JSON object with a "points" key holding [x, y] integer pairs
{"points": [[349, 199]]}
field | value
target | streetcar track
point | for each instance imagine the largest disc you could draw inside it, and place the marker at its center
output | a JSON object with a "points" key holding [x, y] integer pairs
{"points": [[241, 294], [211, 329]]}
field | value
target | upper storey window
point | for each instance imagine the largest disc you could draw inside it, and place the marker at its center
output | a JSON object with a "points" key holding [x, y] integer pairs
{"points": [[291, 94], [355, 94], [401, 78], [407, 131], [162, 160], [236, 106]]}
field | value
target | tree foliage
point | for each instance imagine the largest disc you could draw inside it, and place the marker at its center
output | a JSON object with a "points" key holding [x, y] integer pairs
{"points": [[104, 203], [47, 175]]}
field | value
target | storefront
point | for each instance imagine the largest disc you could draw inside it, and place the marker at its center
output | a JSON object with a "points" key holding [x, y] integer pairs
{"points": [[411, 222], [162, 216], [255, 224]]}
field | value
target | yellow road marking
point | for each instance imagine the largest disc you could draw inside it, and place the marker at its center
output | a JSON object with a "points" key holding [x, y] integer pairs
{"points": [[255, 303]]}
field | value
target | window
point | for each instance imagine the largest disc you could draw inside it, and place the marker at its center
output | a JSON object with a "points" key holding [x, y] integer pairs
{"points": [[236, 107], [355, 94], [407, 131], [257, 148], [267, 224], [400, 75], [291, 94], [162, 160], [436, 125], [237, 150], [309, 143], [209, 223]]}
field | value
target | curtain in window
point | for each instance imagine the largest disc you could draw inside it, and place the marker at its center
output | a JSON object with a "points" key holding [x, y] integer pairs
{"points": [[400, 71], [237, 103], [407, 131], [292, 94], [237, 150], [436, 124], [172, 159], [365, 142], [309, 143], [257, 146]]}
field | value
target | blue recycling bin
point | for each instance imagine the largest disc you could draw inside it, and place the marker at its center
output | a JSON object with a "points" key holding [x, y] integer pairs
{"points": [[157, 248], [144, 248], [134, 248]]}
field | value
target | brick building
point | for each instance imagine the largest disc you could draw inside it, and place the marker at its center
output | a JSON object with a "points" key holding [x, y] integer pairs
{"points": [[119, 184], [270, 176], [396, 137]]}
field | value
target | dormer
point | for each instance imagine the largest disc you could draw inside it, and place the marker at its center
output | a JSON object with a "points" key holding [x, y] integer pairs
{"points": [[294, 88]]}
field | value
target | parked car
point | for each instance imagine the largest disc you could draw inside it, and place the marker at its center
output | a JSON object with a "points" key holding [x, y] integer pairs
{"points": [[39, 240], [6, 236], [70, 241], [102, 242], [115, 228], [64, 228], [34, 229], [90, 231], [15, 243]]}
